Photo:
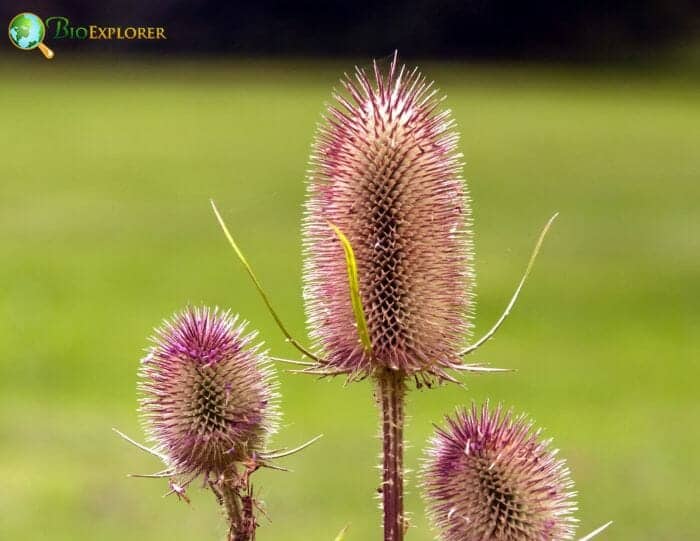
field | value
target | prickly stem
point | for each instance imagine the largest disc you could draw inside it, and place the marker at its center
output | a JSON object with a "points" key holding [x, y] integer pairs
{"points": [[391, 391], [239, 511], [232, 507]]}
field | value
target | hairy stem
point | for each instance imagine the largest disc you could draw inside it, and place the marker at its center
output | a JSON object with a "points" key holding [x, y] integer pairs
{"points": [[391, 392], [239, 512]]}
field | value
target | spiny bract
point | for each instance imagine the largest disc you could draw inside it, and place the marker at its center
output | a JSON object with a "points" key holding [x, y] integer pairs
{"points": [[489, 477], [208, 396], [386, 171]]}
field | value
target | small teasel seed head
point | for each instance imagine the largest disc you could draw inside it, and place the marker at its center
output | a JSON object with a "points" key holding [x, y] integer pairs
{"points": [[489, 477], [386, 171], [208, 395]]}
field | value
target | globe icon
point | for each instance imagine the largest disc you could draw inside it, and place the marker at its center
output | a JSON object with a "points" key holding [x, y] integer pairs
{"points": [[27, 32]]}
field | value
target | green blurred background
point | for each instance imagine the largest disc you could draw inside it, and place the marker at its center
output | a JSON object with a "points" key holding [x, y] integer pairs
{"points": [[105, 229]]}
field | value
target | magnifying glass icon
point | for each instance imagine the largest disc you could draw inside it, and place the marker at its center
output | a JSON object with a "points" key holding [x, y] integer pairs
{"points": [[27, 32]]}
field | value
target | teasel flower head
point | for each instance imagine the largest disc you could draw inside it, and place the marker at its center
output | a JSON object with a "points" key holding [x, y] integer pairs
{"points": [[208, 396], [385, 170], [489, 476]]}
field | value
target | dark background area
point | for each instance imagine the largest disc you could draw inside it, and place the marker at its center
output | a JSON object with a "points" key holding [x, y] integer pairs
{"points": [[583, 31]]}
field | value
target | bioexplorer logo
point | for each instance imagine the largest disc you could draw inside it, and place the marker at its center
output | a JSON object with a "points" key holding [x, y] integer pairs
{"points": [[27, 31]]}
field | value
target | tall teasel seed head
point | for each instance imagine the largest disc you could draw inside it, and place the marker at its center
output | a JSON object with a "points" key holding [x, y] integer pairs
{"points": [[489, 476], [386, 171], [209, 398]]}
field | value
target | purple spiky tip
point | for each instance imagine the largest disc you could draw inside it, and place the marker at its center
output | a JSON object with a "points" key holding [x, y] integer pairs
{"points": [[209, 398], [386, 171], [489, 477]]}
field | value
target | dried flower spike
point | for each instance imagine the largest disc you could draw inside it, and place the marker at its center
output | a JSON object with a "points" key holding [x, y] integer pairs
{"points": [[489, 477], [387, 173], [209, 401]]}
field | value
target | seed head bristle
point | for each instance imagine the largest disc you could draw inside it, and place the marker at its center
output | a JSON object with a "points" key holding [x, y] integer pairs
{"points": [[386, 171], [490, 477], [209, 398]]}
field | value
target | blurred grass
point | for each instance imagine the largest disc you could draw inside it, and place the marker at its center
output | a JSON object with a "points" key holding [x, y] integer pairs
{"points": [[105, 229]]}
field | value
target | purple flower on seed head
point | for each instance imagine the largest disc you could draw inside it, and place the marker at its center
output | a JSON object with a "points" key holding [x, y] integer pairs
{"points": [[489, 477], [208, 396], [386, 171]]}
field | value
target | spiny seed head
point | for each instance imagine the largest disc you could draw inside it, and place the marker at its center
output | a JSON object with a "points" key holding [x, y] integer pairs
{"points": [[490, 477], [386, 171], [209, 399]]}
